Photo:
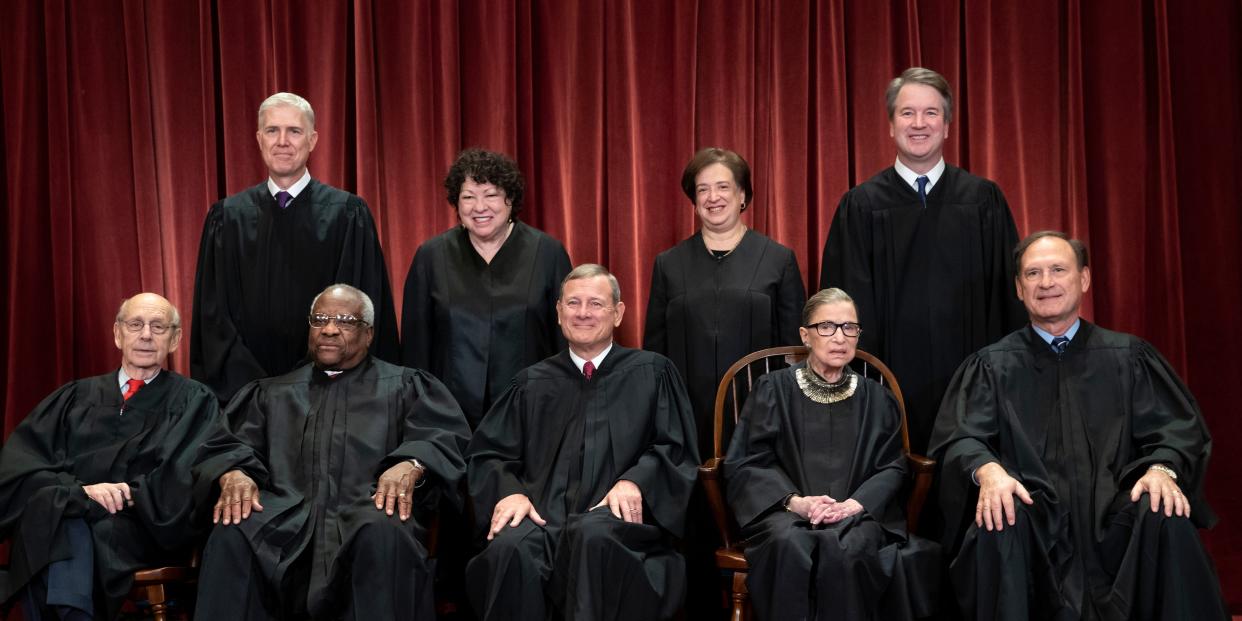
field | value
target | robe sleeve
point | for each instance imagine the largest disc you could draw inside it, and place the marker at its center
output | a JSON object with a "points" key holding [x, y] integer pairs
{"points": [[33, 462], [362, 265], [666, 472], [655, 337], [434, 431], [561, 268], [883, 446], [218, 357], [847, 265], [166, 496], [791, 297], [418, 313], [1167, 428], [1005, 312], [494, 455], [225, 451], [964, 438], [756, 481]]}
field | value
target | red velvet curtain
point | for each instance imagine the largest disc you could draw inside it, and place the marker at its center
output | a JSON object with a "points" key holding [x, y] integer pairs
{"points": [[1118, 121]]}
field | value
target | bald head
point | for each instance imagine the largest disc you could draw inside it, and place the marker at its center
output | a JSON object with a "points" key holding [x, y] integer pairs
{"points": [[147, 329]]}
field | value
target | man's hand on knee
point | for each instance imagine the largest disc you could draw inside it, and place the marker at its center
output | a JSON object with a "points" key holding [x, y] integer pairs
{"points": [[239, 495], [625, 501], [997, 490], [511, 510], [1161, 487], [396, 487]]}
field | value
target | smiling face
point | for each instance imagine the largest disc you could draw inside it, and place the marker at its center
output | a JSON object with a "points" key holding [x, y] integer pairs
{"points": [[286, 140], [830, 354], [143, 351], [918, 126], [483, 209], [337, 346], [1051, 284], [587, 314], [718, 199]]}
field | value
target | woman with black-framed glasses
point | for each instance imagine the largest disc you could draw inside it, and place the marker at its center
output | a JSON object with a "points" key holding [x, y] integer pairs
{"points": [[814, 475]]}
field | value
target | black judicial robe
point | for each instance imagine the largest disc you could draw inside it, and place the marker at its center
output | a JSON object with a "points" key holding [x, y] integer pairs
{"points": [[787, 443], [932, 286], [1077, 432], [259, 268], [324, 442], [85, 433], [475, 324], [564, 442], [706, 313]]}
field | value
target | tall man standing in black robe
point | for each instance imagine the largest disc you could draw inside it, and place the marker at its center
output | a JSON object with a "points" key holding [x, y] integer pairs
{"points": [[1083, 457], [355, 454], [96, 482], [268, 250], [581, 473], [923, 247]]}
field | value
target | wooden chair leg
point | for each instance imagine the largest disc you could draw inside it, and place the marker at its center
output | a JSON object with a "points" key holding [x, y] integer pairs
{"points": [[741, 597], [158, 601]]}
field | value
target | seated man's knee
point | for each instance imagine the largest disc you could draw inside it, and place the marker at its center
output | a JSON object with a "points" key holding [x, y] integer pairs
{"points": [[517, 541], [593, 530], [228, 540]]}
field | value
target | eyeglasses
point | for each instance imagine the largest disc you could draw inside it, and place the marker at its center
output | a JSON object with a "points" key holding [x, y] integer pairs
{"points": [[594, 306], [828, 328], [135, 326], [348, 323]]}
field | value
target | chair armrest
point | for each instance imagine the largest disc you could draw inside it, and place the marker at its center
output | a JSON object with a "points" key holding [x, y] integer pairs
{"points": [[921, 469], [709, 477]]}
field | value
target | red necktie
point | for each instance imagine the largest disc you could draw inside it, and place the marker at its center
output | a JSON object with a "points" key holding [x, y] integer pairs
{"points": [[134, 385], [588, 369]]}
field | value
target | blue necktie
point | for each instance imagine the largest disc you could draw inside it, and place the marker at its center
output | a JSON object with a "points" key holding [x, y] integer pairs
{"points": [[283, 198], [922, 181], [1059, 344]]}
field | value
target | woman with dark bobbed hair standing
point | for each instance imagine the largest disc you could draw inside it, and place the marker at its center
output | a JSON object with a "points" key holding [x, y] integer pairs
{"points": [[725, 291], [480, 298], [722, 293]]}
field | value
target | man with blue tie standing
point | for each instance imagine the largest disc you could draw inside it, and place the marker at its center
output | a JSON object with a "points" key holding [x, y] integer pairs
{"points": [[1083, 456], [268, 250], [923, 248]]}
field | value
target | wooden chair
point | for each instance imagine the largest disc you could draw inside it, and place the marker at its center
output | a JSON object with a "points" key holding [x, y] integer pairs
{"points": [[153, 586], [734, 387]]}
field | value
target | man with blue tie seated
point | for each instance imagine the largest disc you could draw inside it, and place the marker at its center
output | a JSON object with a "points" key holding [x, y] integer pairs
{"points": [[96, 482], [1072, 464]]}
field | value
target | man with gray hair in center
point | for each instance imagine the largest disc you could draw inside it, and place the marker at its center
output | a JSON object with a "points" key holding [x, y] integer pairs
{"points": [[580, 475], [267, 250], [353, 455]]}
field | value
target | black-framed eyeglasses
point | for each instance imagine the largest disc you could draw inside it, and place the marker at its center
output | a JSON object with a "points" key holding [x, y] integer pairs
{"points": [[828, 328], [347, 323], [135, 326]]}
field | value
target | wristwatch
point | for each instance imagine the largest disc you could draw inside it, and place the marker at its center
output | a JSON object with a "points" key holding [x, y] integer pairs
{"points": [[422, 471], [1165, 469]]}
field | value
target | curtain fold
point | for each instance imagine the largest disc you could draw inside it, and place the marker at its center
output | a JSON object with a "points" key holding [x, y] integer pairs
{"points": [[1117, 121]]}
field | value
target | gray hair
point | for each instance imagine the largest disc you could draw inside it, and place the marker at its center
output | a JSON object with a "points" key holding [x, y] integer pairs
{"points": [[368, 308], [591, 270], [823, 298], [291, 100], [919, 75], [172, 311]]}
